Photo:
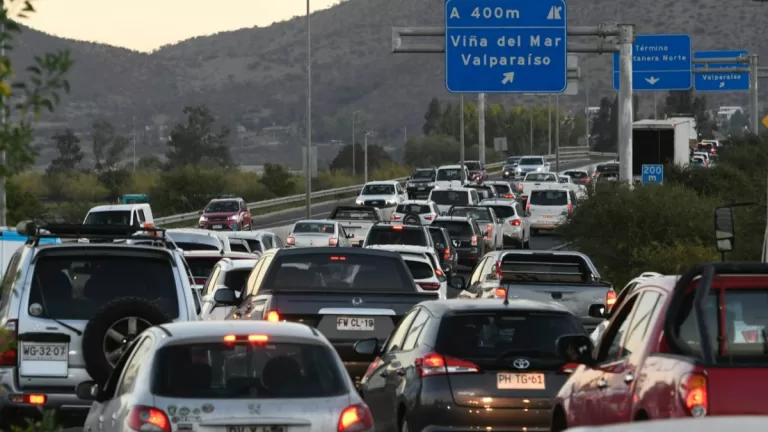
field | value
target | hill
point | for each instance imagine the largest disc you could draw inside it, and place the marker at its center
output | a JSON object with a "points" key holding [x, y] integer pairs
{"points": [[257, 77]]}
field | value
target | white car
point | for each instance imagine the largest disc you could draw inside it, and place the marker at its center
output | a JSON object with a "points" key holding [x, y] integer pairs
{"points": [[226, 274], [447, 198], [515, 226], [237, 375], [449, 177], [424, 266], [384, 195], [415, 212], [549, 207]]}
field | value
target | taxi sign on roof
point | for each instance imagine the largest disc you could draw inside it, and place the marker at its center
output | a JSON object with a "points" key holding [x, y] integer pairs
{"points": [[765, 121]]}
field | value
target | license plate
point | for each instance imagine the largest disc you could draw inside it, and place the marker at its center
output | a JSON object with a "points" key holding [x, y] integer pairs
{"points": [[354, 324], [520, 381], [422, 188], [548, 217], [259, 428], [218, 226], [31, 351], [374, 203]]}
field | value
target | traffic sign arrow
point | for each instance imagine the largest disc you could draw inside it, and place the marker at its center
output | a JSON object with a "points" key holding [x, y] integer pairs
{"points": [[508, 77], [652, 80]]}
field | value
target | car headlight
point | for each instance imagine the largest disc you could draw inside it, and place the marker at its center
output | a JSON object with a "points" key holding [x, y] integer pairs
{"points": [[431, 184], [233, 217], [506, 172], [359, 202], [539, 169], [203, 219], [409, 184], [391, 201]]}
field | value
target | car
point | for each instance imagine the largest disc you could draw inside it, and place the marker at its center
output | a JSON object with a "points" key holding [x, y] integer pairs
{"points": [[356, 220], [201, 263], [420, 182], [137, 215], [503, 189], [468, 365], [383, 195], [393, 234], [529, 164], [476, 170], [550, 206], [342, 292], [446, 252], [258, 241], [579, 176], [508, 170], [487, 220], [466, 236], [190, 239], [415, 212], [246, 375], [229, 214], [228, 273], [606, 168], [515, 226], [318, 233], [69, 310], [447, 198], [535, 180], [450, 177], [424, 266], [485, 191]]}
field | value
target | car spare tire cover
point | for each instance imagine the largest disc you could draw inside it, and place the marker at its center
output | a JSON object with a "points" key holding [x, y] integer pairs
{"points": [[412, 219], [96, 363]]}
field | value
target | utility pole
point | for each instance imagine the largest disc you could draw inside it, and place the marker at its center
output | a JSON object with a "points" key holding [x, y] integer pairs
{"points": [[365, 158], [133, 137], [557, 133], [308, 171], [405, 135], [461, 140], [481, 127], [549, 123], [626, 39], [587, 114], [530, 118], [3, 159], [353, 142], [754, 115]]}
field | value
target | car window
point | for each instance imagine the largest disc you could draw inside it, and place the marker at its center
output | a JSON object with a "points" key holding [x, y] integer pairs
{"points": [[236, 246], [117, 217], [254, 275], [398, 336], [142, 218], [610, 344], [449, 174], [477, 213], [415, 330], [378, 189], [423, 175], [449, 197], [549, 198], [419, 269], [414, 208], [258, 280], [642, 320], [503, 211], [229, 206], [314, 227], [478, 273], [211, 282], [9, 278], [131, 370], [456, 229], [396, 235], [255, 245]]}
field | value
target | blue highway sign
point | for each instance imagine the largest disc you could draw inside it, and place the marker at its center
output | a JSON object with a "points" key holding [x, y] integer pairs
{"points": [[653, 174], [659, 63], [506, 46], [726, 81]]}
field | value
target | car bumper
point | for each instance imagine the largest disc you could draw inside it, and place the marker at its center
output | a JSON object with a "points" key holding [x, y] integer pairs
{"points": [[221, 225], [469, 256], [12, 403], [547, 224], [419, 190], [440, 417]]}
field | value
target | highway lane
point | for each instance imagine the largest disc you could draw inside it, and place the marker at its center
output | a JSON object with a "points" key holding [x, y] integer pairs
{"points": [[322, 210]]}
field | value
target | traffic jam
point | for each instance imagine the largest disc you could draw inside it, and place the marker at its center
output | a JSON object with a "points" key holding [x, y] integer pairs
{"points": [[420, 307]]}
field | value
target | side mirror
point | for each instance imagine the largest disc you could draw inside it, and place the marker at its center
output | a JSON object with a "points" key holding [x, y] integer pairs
{"points": [[457, 282], [575, 349], [367, 346], [527, 214], [724, 230], [597, 311], [200, 212], [225, 296], [350, 235], [88, 390]]}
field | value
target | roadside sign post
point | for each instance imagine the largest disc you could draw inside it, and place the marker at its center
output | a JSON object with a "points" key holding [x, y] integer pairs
{"points": [[653, 174], [724, 81], [659, 63]]}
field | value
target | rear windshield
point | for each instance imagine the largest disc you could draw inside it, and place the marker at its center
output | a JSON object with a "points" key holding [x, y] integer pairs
{"points": [[532, 161], [564, 268], [577, 174], [238, 247], [77, 287], [456, 229], [396, 235], [378, 189], [255, 245], [473, 166], [476, 213], [423, 175], [534, 177], [413, 208], [344, 272], [502, 189], [201, 267], [549, 198], [449, 197], [498, 337], [503, 212], [121, 217], [437, 237], [235, 279], [223, 207], [419, 269], [355, 214], [449, 174], [608, 168], [191, 246], [246, 371], [314, 227]]}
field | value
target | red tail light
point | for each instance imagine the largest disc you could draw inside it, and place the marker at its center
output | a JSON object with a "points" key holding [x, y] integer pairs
{"points": [[428, 217], [500, 293], [520, 187], [693, 392], [499, 273], [333, 241], [8, 340], [148, 419], [290, 241], [429, 286], [570, 208], [435, 364], [509, 196], [610, 299], [489, 228], [355, 418], [587, 180], [569, 368], [474, 240], [750, 335], [515, 222], [35, 399], [395, 217], [273, 316], [447, 254], [527, 208], [594, 174]]}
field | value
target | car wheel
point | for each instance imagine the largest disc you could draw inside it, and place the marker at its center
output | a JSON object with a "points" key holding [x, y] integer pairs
{"points": [[534, 231]]}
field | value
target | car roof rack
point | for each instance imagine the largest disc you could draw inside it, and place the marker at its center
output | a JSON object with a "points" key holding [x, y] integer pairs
{"points": [[96, 232]]}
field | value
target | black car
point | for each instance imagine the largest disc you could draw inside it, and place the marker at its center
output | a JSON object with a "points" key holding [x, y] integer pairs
{"points": [[466, 236], [485, 191], [508, 170], [421, 182], [449, 258], [476, 170], [466, 365]]}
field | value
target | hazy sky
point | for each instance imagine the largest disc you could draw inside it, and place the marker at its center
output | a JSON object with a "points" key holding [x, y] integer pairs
{"points": [[148, 24]]}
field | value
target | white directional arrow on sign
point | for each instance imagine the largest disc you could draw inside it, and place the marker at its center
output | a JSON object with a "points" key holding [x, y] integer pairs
{"points": [[508, 77], [722, 84], [652, 80]]}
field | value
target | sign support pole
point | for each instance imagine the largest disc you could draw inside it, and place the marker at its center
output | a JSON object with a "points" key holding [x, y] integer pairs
{"points": [[754, 115], [461, 139], [557, 134], [481, 127], [626, 39]]}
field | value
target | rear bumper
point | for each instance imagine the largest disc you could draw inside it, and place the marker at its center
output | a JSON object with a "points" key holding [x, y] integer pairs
{"points": [[469, 257], [450, 417], [419, 190], [11, 399]]}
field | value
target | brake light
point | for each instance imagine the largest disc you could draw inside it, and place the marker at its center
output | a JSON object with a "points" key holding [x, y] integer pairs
{"points": [[333, 241], [258, 338], [8, 340], [230, 338], [509, 196], [693, 391], [750, 335], [587, 180], [594, 174], [569, 368], [515, 222], [429, 286], [439, 273], [527, 208], [148, 419], [474, 240], [570, 208], [500, 293], [290, 241], [520, 187], [273, 316], [435, 364], [499, 273], [355, 418], [428, 217], [447, 254], [610, 299], [395, 217], [338, 258], [397, 227]]}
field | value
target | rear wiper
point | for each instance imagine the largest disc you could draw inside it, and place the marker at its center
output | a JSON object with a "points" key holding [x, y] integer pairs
{"points": [[45, 309]]}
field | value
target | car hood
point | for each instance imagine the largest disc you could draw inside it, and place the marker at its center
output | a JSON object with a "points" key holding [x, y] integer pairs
{"points": [[376, 197], [220, 214]]}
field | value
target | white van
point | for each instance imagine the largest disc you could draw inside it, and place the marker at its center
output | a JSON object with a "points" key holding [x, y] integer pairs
{"points": [[549, 207], [137, 215], [447, 198], [449, 177]]}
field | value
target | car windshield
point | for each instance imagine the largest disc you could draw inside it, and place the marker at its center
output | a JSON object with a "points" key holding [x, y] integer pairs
{"points": [[413, 208], [548, 198], [396, 235], [423, 175], [540, 177], [419, 269], [456, 228], [502, 189], [362, 214], [314, 228], [438, 238], [481, 214], [339, 272], [378, 189], [201, 267], [532, 161], [564, 179], [235, 278], [608, 168], [449, 174], [503, 211], [444, 197], [269, 370], [76, 287], [513, 160], [116, 217], [494, 338], [222, 207], [255, 245], [473, 166], [577, 174]]}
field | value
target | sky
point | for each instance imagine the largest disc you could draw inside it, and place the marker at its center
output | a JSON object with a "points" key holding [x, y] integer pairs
{"points": [[145, 25]]}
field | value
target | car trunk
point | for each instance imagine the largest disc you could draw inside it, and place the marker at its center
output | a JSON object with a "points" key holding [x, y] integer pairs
{"points": [[313, 239]]}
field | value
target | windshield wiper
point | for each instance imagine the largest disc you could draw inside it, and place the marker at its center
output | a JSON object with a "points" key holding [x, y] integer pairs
{"points": [[45, 310]]}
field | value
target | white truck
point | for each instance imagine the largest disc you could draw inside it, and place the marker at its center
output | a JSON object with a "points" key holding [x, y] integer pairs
{"points": [[356, 220], [660, 142], [534, 180]]}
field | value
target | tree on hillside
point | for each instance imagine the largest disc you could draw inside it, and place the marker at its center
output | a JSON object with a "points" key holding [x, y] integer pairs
{"points": [[432, 117], [278, 180], [602, 133], [685, 102], [149, 163], [70, 154], [377, 157], [108, 146], [195, 143]]}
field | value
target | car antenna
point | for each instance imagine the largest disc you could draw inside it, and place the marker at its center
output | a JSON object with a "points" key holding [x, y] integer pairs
{"points": [[506, 297]]}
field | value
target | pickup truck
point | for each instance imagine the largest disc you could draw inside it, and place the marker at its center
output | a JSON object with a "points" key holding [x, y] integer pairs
{"points": [[340, 292], [356, 220], [677, 346], [533, 181], [564, 277]]}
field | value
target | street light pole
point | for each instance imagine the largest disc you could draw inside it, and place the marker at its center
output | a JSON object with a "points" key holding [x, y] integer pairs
{"points": [[365, 157], [353, 142], [308, 172]]}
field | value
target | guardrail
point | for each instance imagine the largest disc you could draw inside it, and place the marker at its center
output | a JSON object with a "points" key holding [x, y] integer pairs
{"points": [[566, 154]]}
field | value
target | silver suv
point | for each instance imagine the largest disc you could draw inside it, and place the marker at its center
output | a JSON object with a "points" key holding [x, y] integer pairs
{"points": [[71, 309]]}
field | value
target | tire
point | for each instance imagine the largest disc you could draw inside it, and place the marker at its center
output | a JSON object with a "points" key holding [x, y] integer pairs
{"points": [[96, 362], [534, 231], [411, 219]]}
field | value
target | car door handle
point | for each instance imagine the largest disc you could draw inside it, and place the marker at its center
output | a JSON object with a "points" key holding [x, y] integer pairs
{"points": [[628, 378], [114, 416], [602, 383], [383, 374]]}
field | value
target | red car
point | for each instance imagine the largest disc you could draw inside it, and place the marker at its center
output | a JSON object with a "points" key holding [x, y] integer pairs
{"points": [[228, 214], [686, 346]]}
